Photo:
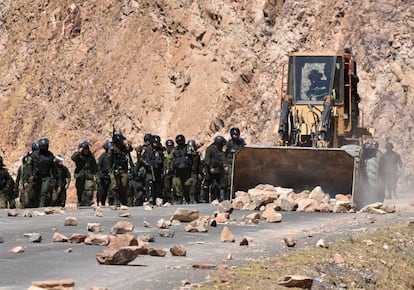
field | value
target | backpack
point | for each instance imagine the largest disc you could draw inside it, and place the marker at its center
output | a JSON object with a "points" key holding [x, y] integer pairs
{"points": [[181, 159]]}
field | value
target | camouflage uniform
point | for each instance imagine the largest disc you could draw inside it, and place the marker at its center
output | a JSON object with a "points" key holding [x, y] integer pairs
{"points": [[6, 188], [120, 160], [168, 175], [63, 180], [154, 164], [136, 195], [85, 175], [195, 174], [216, 169], [182, 164], [233, 146], [104, 183], [43, 174]]}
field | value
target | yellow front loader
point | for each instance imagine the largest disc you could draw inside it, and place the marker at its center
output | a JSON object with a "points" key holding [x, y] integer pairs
{"points": [[320, 137]]}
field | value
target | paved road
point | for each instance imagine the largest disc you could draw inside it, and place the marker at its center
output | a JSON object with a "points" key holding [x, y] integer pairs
{"points": [[49, 261]]}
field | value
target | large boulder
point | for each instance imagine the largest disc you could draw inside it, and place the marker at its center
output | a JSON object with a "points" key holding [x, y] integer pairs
{"points": [[121, 256], [185, 215]]}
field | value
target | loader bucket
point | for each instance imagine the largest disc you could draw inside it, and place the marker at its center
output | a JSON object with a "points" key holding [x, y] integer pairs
{"points": [[298, 168]]}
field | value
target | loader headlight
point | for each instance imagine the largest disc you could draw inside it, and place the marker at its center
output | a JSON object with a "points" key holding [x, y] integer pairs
{"points": [[346, 117]]}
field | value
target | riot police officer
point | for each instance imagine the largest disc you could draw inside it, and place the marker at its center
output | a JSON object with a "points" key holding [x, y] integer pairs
{"points": [[120, 160], [85, 173]]}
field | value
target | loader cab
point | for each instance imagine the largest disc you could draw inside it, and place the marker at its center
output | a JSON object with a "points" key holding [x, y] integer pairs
{"points": [[311, 77]]}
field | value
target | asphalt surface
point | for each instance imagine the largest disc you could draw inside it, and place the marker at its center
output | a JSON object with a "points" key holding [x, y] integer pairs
{"points": [[49, 260]]}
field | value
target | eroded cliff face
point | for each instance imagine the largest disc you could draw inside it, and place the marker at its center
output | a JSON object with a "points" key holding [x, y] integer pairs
{"points": [[70, 70]]}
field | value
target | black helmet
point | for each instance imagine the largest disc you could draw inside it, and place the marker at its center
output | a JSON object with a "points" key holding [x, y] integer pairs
{"points": [[389, 146], [169, 143], [43, 142], [234, 131], [118, 138], [84, 144], [108, 144], [147, 137], [155, 139], [180, 139], [35, 146], [192, 143], [219, 140]]}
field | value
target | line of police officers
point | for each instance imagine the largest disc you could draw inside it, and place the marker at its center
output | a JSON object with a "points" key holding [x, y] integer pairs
{"points": [[175, 173]]}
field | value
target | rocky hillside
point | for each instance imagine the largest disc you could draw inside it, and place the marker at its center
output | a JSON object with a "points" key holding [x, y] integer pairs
{"points": [[70, 70]]}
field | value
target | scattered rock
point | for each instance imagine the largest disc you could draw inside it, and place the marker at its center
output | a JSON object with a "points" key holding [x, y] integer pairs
{"points": [[307, 205], [69, 250], [244, 242], [27, 213], [321, 244], [94, 227], [157, 252], [17, 250], [98, 212], [290, 242], [185, 215], [97, 240], [158, 201], [317, 194], [13, 212], [298, 281], [163, 224], [54, 284], [175, 223], [178, 250], [77, 238], [53, 210], [147, 238], [166, 233], [272, 216], [71, 221], [226, 235], [35, 238], [121, 256], [122, 227], [147, 206], [146, 224], [205, 266], [253, 218], [124, 214], [122, 240], [222, 217], [57, 237], [1, 239]]}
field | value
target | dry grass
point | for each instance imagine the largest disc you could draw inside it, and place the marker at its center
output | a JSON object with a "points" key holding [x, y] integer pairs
{"points": [[380, 259]]}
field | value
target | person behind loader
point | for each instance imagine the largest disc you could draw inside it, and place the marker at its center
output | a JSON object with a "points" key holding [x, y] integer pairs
{"points": [[233, 146], [120, 159], [63, 181], [85, 173], [168, 170], [215, 162], [43, 174], [104, 183], [182, 165], [7, 196], [391, 168]]}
